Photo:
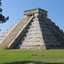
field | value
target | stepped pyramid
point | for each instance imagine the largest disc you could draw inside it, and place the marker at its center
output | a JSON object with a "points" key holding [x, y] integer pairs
{"points": [[34, 31]]}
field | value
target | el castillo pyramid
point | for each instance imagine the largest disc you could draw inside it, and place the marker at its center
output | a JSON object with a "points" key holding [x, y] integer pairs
{"points": [[33, 31]]}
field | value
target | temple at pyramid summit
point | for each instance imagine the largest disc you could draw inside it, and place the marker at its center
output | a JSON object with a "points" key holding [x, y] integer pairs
{"points": [[33, 31]]}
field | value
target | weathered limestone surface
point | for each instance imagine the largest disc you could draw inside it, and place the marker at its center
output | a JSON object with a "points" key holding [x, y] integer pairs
{"points": [[34, 31], [34, 38]]}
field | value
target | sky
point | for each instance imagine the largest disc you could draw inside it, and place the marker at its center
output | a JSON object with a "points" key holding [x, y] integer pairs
{"points": [[15, 10]]}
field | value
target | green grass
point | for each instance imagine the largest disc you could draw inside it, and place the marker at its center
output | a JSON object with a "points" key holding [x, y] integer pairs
{"points": [[54, 56]]}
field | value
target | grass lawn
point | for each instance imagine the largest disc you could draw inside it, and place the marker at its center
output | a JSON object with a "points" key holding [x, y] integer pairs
{"points": [[54, 56]]}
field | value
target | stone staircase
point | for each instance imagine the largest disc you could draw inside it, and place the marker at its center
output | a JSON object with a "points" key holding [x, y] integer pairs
{"points": [[14, 32], [4, 34]]}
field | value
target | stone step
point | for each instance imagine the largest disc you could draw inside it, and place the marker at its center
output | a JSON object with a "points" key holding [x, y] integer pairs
{"points": [[14, 33]]}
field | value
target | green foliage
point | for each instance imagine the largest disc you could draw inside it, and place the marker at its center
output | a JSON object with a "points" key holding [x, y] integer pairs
{"points": [[32, 55]]}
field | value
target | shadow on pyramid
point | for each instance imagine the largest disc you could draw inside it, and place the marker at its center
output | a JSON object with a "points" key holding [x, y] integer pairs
{"points": [[34, 31]]}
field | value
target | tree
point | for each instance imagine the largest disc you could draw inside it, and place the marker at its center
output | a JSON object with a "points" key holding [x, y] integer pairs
{"points": [[3, 19]]}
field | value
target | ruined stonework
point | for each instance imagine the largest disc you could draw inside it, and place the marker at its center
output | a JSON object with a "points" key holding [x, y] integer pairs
{"points": [[34, 31]]}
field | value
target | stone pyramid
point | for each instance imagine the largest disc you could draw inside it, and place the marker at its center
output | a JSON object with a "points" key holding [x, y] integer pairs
{"points": [[34, 31]]}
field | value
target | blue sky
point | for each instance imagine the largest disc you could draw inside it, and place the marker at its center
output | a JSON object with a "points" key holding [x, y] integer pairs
{"points": [[15, 9]]}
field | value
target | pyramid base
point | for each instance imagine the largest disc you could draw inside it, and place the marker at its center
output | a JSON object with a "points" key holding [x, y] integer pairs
{"points": [[40, 47], [33, 47]]}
